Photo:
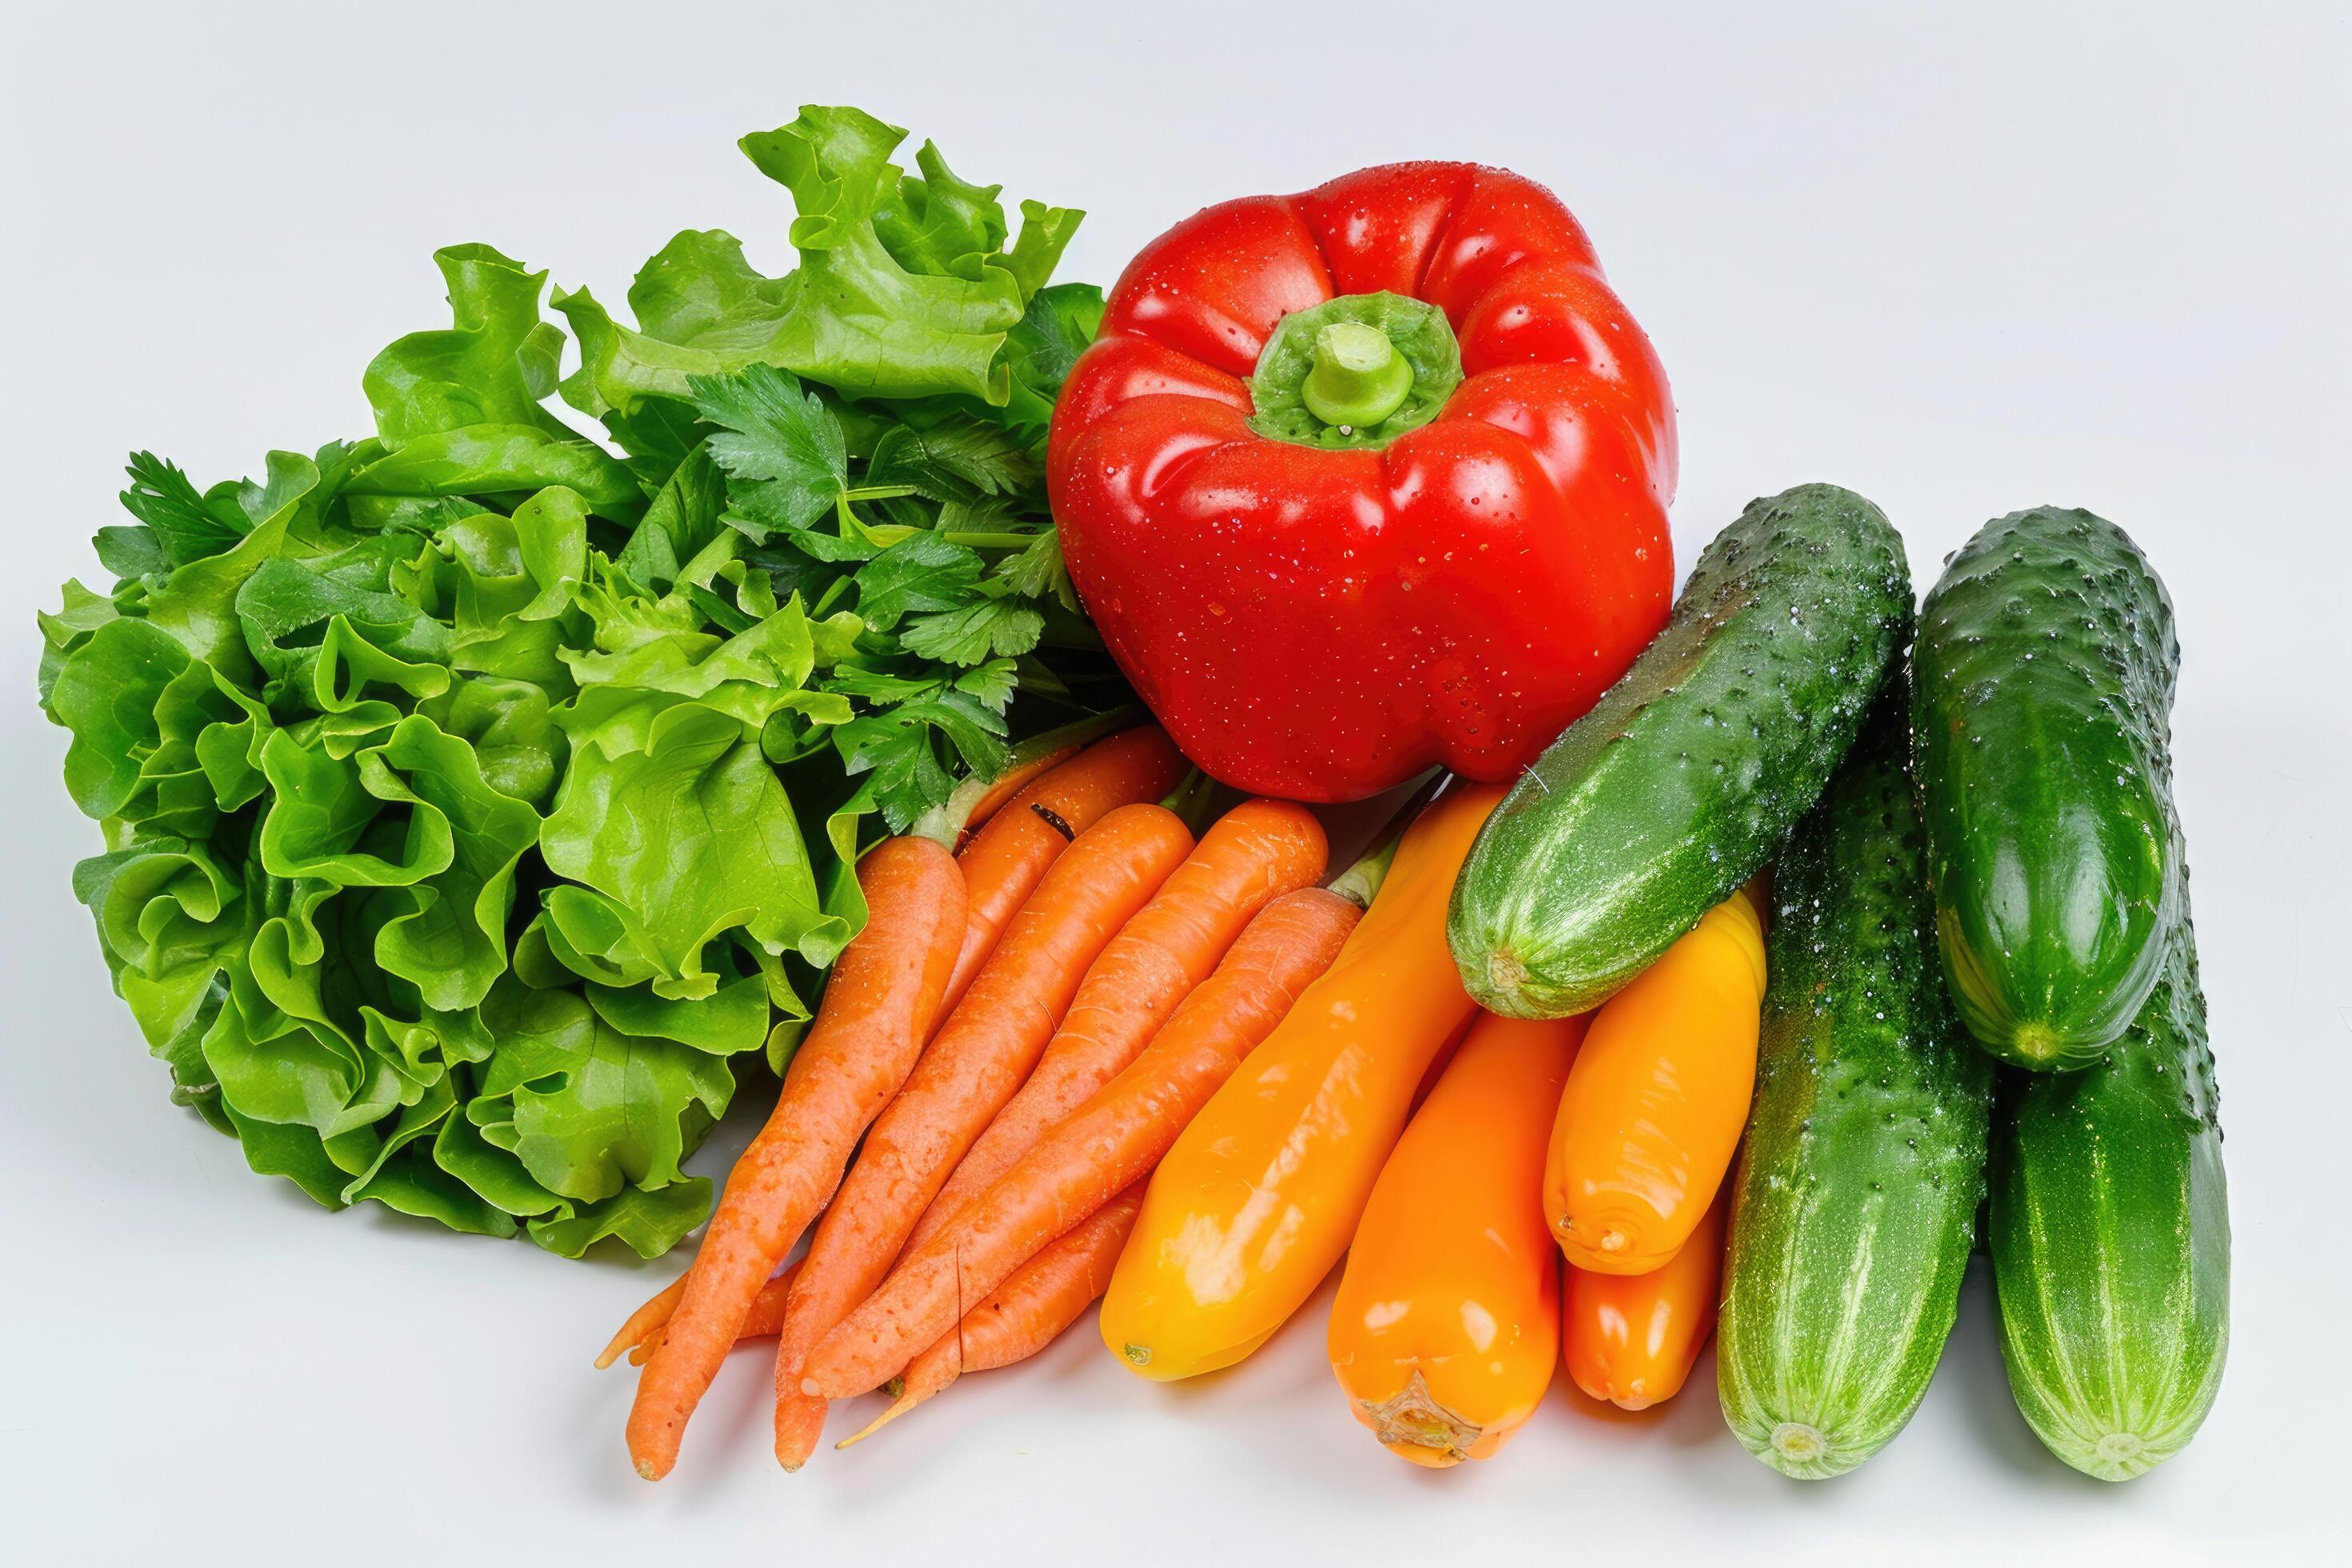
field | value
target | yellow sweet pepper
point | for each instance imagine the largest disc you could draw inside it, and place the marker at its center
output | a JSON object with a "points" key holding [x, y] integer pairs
{"points": [[1658, 1097], [1258, 1197]]}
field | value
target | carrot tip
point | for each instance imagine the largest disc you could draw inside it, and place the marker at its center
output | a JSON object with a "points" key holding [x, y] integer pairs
{"points": [[647, 1470]]}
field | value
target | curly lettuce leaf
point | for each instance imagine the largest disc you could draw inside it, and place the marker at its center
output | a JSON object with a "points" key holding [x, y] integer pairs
{"points": [[591, 1109], [504, 583], [318, 863], [450, 943], [701, 309], [494, 366], [459, 411], [863, 319], [501, 459], [679, 844], [169, 925], [906, 288]]}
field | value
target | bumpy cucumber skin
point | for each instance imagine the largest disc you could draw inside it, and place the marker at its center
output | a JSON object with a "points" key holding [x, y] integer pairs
{"points": [[2043, 693], [1683, 779], [2110, 1236], [1855, 1202]]}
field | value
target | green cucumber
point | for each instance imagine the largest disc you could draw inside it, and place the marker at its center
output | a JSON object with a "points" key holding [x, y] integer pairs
{"points": [[1855, 1202], [1685, 775], [2110, 1236], [2043, 691]]}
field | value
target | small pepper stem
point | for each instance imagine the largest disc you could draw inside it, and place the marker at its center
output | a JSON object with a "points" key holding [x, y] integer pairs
{"points": [[1355, 373], [1358, 378], [1361, 883]]}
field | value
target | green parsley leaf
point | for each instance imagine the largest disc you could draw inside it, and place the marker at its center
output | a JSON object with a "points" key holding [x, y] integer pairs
{"points": [[1060, 322], [921, 572], [906, 774], [782, 448], [1037, 571], [969, 635], [187, 530], [992, 684], [957, 459], [830, 548], [976, 733], [129, 552]]}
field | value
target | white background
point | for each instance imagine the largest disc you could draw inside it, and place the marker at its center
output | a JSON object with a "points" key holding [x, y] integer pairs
{"points": [[1963, 266]]}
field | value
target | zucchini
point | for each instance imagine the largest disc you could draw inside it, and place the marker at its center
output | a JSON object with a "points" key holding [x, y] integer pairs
{"points": [[1685, 775], [2043, 684], [2110, 1236], [1855, 1202]]}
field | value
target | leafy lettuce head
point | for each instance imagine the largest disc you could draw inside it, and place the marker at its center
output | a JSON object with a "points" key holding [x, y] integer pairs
{"points": [[476, 794]]}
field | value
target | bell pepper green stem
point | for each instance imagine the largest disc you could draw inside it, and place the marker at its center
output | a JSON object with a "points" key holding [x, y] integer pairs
{"points": [[1355, 373], [1358, 378]]}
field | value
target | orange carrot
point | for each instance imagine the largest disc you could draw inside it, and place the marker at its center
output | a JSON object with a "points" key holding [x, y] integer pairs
{"points": [[1028, 1312], [1017, 778], [980, 1056], [642, 1325], [1258, 851], [1114, 1139], [1005, 860], [643, 1334], [878, 1010], [974, 799]]}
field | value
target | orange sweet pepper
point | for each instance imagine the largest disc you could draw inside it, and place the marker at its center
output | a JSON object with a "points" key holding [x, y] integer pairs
{"points": [[1445, 1332], [1631, 1339], [1658, 1097], [1258, 1197]]}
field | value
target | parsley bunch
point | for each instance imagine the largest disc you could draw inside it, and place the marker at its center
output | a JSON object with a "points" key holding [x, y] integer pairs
{"points": [[929, 526]]}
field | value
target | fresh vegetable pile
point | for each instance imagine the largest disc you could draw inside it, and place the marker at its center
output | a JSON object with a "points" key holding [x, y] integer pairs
{"points": [[475, 794], [1771, 1109]]}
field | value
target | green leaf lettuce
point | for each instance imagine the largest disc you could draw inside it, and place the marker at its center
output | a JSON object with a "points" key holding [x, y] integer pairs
{"points": [[477, 797]]}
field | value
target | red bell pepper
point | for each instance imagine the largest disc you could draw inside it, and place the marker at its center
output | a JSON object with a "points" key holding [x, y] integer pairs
{"points": [[1367, 479]]}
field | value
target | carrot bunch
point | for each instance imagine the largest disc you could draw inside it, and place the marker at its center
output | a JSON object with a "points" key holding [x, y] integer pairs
{"points": [[1018, 1033]]}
